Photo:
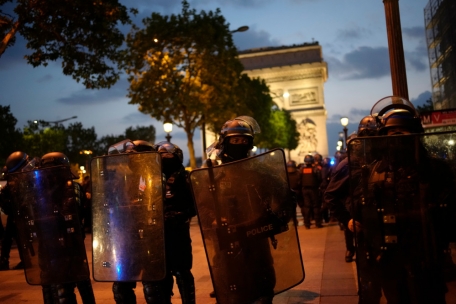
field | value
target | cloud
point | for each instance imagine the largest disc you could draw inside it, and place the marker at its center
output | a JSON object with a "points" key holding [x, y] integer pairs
{"points": [[421, 99], [254, 38], [45, 78], [416, 32], [139, 118], [86, 97], [352, 33], [238, 3], [363, 62], [354, 116]]}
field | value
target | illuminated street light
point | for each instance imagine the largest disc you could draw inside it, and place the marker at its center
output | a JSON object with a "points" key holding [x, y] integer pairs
{"points": [[344, 123], [168, 127], [55, 122]]}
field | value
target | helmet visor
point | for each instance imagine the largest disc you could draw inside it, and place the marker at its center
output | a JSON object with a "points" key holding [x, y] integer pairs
{"points": [[121, 147], [392, 102]]}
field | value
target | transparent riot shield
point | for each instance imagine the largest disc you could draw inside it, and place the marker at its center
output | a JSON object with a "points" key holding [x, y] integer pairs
{"points": [[127, 212], [49, 230], [245, 213], [403, 200]]}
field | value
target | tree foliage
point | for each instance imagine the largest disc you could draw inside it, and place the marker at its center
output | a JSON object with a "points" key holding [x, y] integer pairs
{"points": [[144, 133], [428, 106], [183, 68], [40, 138], [11, 137], [78, 142], [85, 35]]}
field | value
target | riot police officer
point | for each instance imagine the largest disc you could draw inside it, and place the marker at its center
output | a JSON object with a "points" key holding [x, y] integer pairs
{"points": [[64, 293], [16, 162], [336, 195], [178, 211], [239, 203], [294, 177], [50, 252], [401, 202], [310, 182]]}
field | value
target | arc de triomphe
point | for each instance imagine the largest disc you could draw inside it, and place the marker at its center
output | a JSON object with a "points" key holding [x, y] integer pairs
{"points": [[295, 75]]}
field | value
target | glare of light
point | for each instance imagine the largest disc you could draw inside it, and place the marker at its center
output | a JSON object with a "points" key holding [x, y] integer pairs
{"points": [[451, 142], [254, 149], [168, 127], [155, 40], [344, 121], [82, 168], [338, 148], [339, 143], [286, 95], [95, 244], [332, 162]]}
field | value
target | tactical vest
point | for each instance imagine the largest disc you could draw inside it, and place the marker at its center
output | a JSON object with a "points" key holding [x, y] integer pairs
{"points": [[309, 177]]}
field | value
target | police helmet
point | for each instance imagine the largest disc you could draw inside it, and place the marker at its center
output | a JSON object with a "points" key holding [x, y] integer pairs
{"points": [[167, 147], [142, 146], [327, 161], [400, 118], [309, 159], [291, 166], [318, 158], [18, 161], [54, 159], [240, 126], [367, 126], [128, 146]]}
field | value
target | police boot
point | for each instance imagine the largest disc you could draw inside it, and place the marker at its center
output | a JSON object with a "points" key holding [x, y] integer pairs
{"points": [[65, 293], [86, 292], [124, 292], [48, 297], [159, 292], [4, 264], [186, 285]]}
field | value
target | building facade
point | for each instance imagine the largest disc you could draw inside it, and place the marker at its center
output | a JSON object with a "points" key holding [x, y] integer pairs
{"points": [[440, 24], [295, 76]]}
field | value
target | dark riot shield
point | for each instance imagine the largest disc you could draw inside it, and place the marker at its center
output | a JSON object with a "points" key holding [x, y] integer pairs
{"points": [[49, 230], [127, 206], [403, 197], [245, 213]]}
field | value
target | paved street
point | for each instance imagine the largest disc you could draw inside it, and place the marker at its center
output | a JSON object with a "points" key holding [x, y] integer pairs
{"points": [[329, 280]]}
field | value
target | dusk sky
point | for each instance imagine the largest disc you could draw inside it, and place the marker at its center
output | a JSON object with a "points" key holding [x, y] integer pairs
{"points": [[352, 34]]}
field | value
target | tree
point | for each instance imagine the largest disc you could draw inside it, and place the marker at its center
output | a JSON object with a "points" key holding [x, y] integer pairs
{"points": [[428, 106], [79, 143], [85, 35], [144, 133], [40, 138], [182, 68], [105, 142], [11, 138]]}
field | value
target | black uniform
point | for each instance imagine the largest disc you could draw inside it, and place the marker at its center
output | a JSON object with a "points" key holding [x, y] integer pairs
{"points": [[179, 209], [310, 181]]}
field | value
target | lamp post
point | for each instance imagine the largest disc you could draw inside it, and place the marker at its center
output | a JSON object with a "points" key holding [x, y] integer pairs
{"points": [[344, 123], [240, 29], [56, 123], [168, 127]]}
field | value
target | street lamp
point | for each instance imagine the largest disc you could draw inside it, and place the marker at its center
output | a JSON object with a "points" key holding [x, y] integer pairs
{"points": [[240, 29], [168, 127], [57, 121], [344, 123]]}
